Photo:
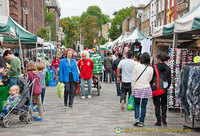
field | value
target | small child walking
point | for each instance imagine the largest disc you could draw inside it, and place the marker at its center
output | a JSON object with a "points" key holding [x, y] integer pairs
{"points": [[37, 90], [42, 73], [11, 100]]}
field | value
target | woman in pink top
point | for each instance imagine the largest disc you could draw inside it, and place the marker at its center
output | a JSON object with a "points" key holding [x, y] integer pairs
{"points": [[37, 90], [55, 65]]}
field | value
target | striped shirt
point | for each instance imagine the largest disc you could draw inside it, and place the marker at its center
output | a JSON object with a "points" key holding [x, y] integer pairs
{"points": [[142, 93]]}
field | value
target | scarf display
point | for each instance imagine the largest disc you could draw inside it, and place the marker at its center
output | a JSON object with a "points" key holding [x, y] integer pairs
{"points": [[179, 59]]}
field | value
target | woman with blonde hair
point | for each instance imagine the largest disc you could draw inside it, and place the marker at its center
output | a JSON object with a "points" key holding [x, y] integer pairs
{"points": [[68, 74]]}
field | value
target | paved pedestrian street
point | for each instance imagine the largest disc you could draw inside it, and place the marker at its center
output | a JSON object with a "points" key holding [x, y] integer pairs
{"points": [[98, 116]]}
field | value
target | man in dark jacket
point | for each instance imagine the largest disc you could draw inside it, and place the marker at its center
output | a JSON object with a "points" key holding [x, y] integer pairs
{"points": [[115, 64], [108, 61]]}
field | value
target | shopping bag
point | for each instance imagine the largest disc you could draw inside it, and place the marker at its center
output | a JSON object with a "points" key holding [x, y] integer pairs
{"points": [[77, 89], [60, 90], [131, 103]]}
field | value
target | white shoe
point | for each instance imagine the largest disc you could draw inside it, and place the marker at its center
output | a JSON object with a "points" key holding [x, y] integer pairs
{"points": [[89, 96], [83, 97], [141, 124]]}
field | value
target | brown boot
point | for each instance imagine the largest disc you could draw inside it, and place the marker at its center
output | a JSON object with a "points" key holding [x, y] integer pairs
{"points": [[158, 123], [164, 120]]}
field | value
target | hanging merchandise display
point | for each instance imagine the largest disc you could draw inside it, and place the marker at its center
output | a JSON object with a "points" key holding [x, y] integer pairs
{"points": [[179, 59], [188, 94]]}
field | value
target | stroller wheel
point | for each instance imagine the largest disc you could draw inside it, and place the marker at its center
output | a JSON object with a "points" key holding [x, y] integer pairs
{"points": [[29, 120], [22, 118], [7, 123]]}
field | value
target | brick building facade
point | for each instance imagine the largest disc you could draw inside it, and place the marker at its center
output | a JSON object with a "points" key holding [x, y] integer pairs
{"points": [[35, 17], [145, 20]]}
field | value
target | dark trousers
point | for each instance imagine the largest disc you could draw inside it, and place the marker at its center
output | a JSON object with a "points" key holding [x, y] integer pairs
{"points": [[126, 88], [43, 94], [160, 102], [69, 90]]}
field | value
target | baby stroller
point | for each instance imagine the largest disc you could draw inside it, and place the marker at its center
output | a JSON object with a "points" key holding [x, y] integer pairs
{"points": [[22, 106]]}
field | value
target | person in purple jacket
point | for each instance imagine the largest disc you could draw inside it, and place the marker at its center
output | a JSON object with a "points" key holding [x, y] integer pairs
{"points": [[37, 90]]}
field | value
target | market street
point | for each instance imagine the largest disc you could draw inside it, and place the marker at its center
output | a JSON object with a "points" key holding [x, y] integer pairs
{"points": [[93, 117]]}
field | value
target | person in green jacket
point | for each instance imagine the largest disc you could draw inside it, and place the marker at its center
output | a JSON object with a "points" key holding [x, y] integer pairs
{"points": [[15, 69]]}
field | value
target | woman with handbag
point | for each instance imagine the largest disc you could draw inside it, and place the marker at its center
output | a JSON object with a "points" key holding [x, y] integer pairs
{"points": [[141, 89], [68, 74], [160, 101]]}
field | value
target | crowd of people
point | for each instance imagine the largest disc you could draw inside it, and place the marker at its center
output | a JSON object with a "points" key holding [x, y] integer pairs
{"points": [[133, 73]]}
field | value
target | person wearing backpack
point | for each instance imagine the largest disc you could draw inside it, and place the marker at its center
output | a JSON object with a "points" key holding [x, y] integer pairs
{"points": [[108, 62], [160, 101]]}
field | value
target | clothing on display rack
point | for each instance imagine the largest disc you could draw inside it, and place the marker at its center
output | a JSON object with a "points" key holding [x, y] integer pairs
{"points": [[189, 93]]}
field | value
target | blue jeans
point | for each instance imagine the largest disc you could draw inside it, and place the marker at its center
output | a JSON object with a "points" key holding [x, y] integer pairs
{"points": [[89, 82], [108, 72], [43, 94], [118, 85], [143, 109], [13, 81]]}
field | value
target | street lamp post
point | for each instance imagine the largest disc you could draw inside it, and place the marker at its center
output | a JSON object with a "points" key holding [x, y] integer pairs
{"points": [[26, 11]]}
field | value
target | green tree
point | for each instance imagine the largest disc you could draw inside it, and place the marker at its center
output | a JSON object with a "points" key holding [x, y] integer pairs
{"points": [[49, 17], [90, 29], [102, 41], [95, 11], [43, 32], [114, 32], [71, 29]]}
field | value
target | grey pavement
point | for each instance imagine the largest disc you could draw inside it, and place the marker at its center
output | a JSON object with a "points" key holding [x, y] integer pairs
{"points": [[98, 116]]}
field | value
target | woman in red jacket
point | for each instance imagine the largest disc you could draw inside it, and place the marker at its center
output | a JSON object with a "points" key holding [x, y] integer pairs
{"points": [[55, 65]]}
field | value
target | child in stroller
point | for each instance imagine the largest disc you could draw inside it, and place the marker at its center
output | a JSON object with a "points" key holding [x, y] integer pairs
{"points": [[22, 105], [11, 100]]}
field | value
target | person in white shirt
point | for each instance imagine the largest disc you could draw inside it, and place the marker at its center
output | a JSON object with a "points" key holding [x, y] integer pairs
{"points": [[127, 66]]}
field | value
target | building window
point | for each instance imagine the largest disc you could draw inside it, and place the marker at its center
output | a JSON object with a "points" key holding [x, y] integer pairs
{"points": [[172, 3], [159, 6], [163, 5]]}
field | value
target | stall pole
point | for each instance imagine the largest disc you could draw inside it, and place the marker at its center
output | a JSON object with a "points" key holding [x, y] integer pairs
{"points": [[36, 53], [42, 53], [21, 55], [175, 42]]}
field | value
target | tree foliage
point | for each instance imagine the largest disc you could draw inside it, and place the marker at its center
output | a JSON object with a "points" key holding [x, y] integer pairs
{"points": [[90, 29], [71, 29], [49, 17], [43, 32], [95, 11], [114, 33]]}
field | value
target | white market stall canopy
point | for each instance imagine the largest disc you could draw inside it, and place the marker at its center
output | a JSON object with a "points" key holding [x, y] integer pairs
{"points": [[189, 22], [136, 34], [185, 27], [118, 39], [106, 46]]}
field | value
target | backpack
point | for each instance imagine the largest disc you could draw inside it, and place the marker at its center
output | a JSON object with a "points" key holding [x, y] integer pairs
{"points": [[157, 87]]}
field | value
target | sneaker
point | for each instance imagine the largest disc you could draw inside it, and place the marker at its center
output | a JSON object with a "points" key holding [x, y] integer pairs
{"points": [[136, 122], [122, 106], [38, 119], [141, 124], [83, 97], [71, 106], [89, 96]]}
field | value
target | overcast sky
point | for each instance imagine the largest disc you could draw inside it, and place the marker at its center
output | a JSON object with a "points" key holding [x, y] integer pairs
{"points": [[77, 7]]}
